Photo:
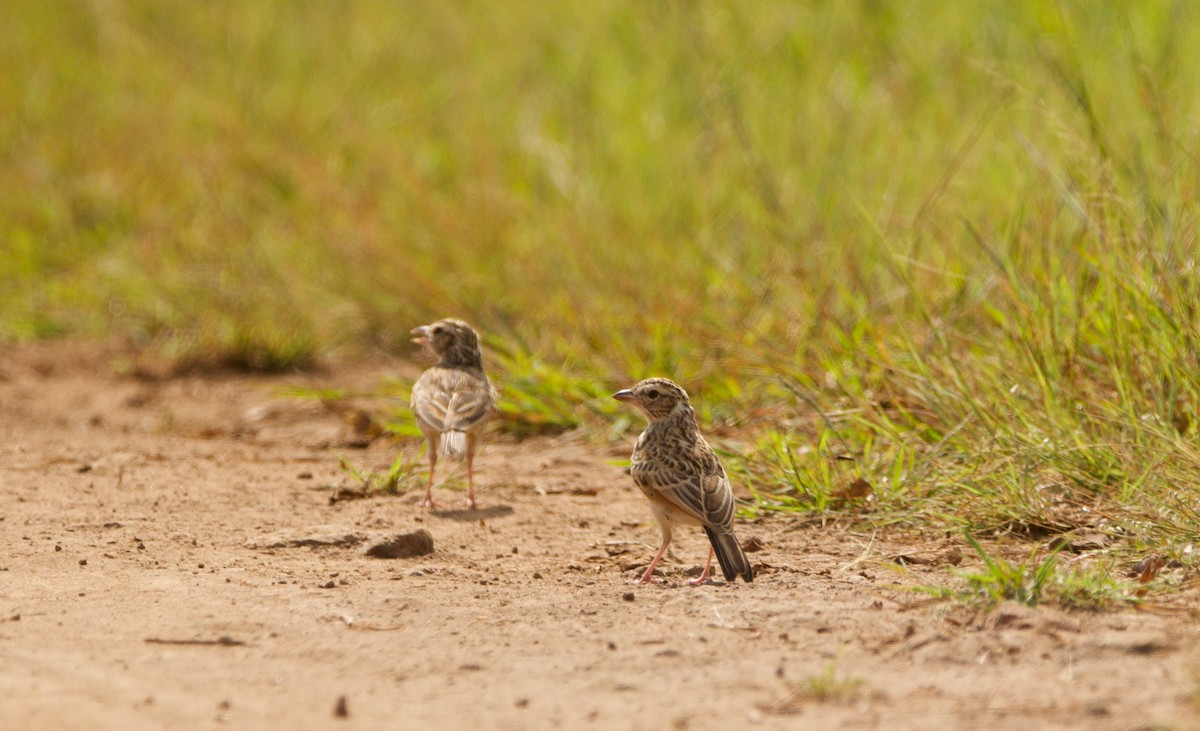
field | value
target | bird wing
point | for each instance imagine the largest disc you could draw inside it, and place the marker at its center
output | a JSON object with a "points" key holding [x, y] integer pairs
{"points": [[696, 485], [452, 399]]}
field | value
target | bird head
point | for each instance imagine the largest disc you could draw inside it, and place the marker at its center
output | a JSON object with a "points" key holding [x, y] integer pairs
{"points": [[454, 341], [658, 398]]}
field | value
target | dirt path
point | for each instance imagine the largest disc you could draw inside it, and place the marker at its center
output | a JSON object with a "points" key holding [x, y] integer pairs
{"points": [[138, 589]]}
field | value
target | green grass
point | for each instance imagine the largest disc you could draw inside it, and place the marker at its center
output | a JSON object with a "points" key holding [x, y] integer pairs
{"points": [[403, 475], [827, 687], [1043, 578], [947, 249]]}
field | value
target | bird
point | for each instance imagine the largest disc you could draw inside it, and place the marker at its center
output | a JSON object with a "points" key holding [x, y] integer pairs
{"points": [[682, 478], [453, 398]]}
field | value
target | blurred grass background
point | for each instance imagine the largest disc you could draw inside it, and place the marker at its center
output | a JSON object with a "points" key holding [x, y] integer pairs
{"points": [[948, 249]]}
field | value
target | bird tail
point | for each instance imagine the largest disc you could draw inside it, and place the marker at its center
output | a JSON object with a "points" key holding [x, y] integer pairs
{"points": [[453, 443], [730, 555]]}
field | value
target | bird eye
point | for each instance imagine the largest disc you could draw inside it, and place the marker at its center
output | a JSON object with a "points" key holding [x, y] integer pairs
{"points": [[653, 394], [438, 330]]}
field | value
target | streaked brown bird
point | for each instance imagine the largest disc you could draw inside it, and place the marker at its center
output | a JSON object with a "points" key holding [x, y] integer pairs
{"points": [[682, 477], [452, 399]]}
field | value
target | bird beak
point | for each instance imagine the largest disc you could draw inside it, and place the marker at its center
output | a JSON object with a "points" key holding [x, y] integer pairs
{"points": [[420, 335], [625, 395]]}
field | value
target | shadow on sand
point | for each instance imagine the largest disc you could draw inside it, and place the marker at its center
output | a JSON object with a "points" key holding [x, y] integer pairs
{"points": [[466, 514]]}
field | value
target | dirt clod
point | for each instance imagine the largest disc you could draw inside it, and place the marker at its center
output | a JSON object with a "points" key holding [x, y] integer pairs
{"points": [[342, 494], [402, 545], [1137, 643], [752, 544], [309, 539]]}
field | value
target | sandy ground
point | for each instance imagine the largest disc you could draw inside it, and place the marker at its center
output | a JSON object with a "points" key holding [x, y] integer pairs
{"points": [[172, 559]]}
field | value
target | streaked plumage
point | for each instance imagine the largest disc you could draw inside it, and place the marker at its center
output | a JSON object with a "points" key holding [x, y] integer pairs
{"points": [[682, 478], [453, 398]]}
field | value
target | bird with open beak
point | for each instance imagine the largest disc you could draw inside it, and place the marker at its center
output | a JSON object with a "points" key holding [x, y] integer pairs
{"points": [[682, 478], [452, 399]]}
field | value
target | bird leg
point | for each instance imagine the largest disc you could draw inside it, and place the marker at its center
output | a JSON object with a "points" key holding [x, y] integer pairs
{"points": [[471, 474], [428, 501], [703, 578], [648, 577]]}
